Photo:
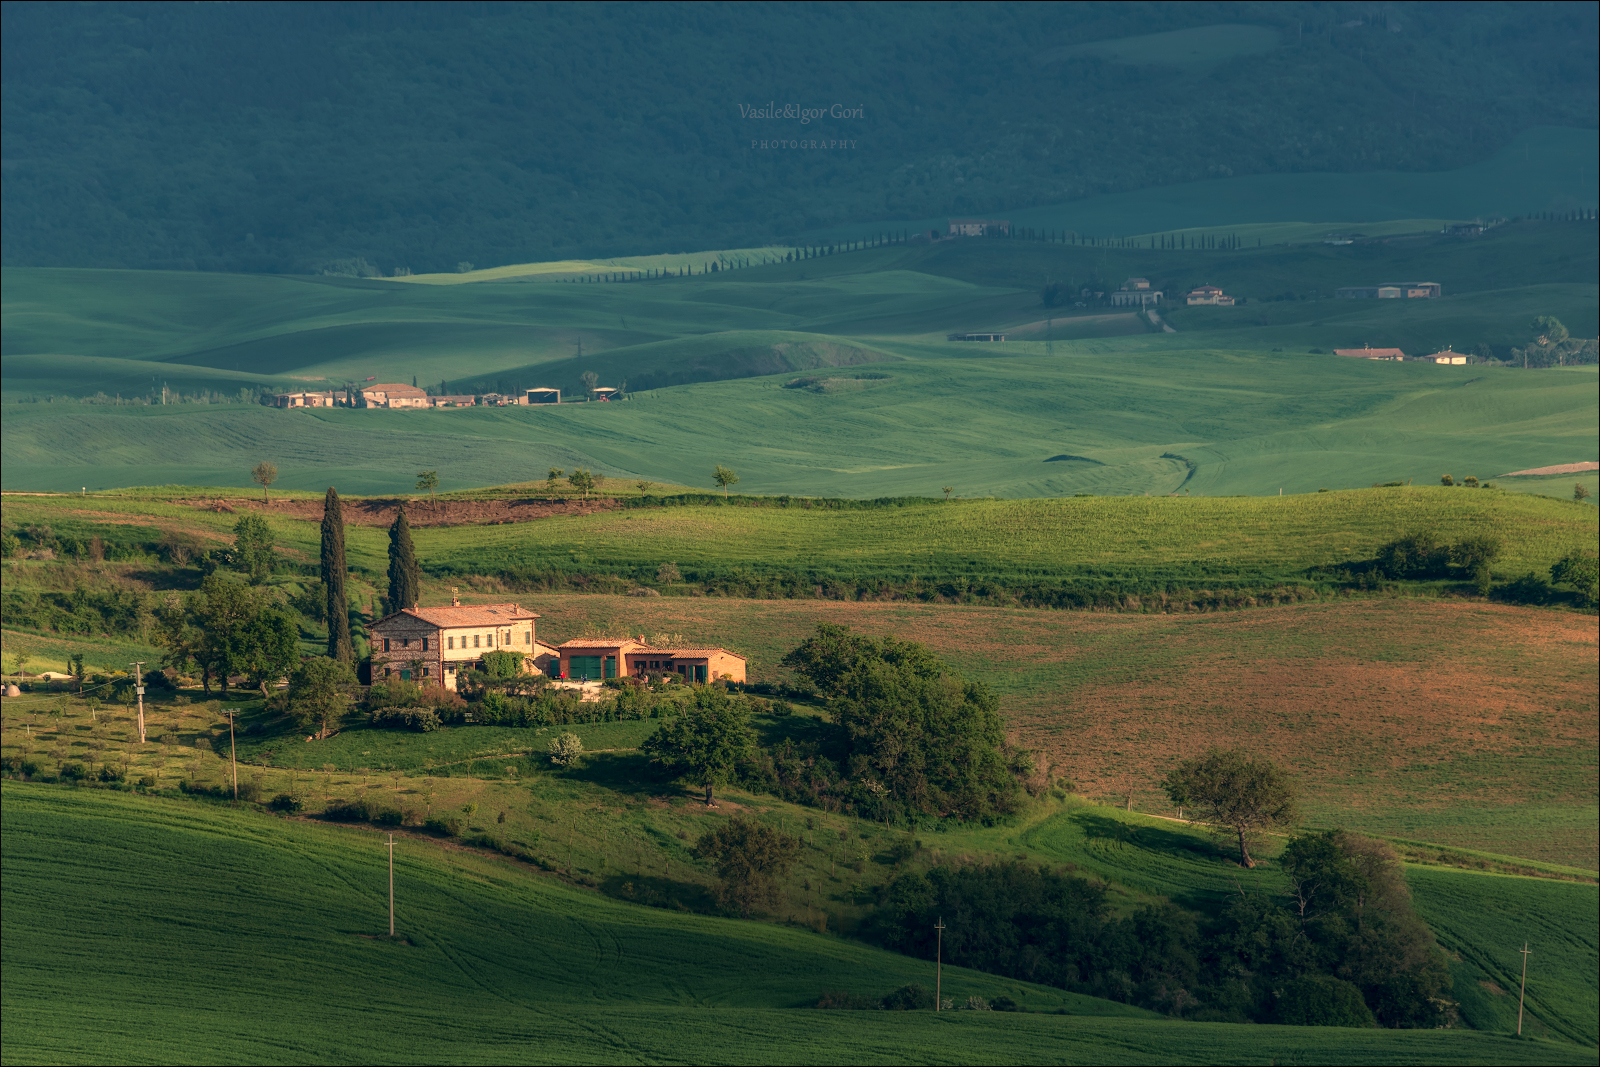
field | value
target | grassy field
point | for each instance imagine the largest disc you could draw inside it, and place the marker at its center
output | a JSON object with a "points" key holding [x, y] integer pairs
{"points": [[1235, 402], [1184, 541], [498, 964]]}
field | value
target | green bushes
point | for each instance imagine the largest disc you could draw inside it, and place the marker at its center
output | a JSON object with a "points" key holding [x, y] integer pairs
{"points": [[420, 720], [1319, 1000], [1343, 947]]}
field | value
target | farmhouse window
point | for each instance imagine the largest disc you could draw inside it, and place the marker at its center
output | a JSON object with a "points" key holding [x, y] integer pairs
{"points": [[405, 642], [425, 644], [475, 640], [527, 637], [386, 647], [449, 642]]}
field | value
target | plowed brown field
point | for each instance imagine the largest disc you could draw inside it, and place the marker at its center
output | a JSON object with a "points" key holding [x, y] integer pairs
{"points": [[1458, 722]]}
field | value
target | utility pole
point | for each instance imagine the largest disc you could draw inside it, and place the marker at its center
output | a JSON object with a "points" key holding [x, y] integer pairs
{"points": [[391, 885], [1523, 992], [938, 968], [1049, 344], [233, 752], [138, 689]]}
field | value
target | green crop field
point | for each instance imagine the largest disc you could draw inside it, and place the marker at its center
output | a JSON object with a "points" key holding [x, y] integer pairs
{"points": [[254, 939], [1080, 400]]}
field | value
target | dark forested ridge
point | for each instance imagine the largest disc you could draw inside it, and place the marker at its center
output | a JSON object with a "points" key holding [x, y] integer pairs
{"points": [[278, 137]]}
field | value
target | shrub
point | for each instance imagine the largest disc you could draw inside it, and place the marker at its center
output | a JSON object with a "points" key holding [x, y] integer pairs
{"points": [[73, 772], [1580, 571], [1416, 555], [345, 811], [909, 998], [443, 826], [565, 748], [1005, 1004], [389, 817], [287, 803], [421, 720], [1322, 1001], [109, 774], [147, 782]]}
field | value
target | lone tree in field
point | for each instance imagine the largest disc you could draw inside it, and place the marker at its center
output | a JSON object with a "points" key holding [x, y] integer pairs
{"points": [[706, 742], [334, 572], [582, 481], [553, 480], [724, 478], [405, 577], [264, 474], [428, 482], [750, 859], [948, 489], [1230, 788], [591, 381]]}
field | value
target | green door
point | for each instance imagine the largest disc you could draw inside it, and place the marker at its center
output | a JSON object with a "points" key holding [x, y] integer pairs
{"points": [[611, 666], [584, 667]]}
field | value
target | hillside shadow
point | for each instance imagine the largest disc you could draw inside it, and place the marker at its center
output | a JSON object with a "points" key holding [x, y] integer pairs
{"points": [[629, 773], [1196, 873], [773, 730], [656, 892]]}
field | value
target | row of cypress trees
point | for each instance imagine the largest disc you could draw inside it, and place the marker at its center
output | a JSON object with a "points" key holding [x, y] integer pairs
{"points": [[405, 576]]}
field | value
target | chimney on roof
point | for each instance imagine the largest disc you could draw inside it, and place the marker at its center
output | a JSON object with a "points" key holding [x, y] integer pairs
{"points": [[455, 601], [642, 641]]}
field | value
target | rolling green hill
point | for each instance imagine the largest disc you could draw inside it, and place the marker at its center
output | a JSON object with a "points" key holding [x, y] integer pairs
{"points": [[499, 965], [1238, 400]]}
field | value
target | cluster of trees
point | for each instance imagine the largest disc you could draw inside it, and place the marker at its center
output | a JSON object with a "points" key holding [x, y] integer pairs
{"points": [[1554, 346], [1422, 555], [1341, 946]]}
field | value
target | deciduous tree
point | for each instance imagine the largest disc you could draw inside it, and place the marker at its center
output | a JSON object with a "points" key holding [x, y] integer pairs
{"points": [[1232, 789], [428, 482], [749, 859], [319, 694], [254, 545], [582, 481], [705, 743], [724, 478], [264, 474]]}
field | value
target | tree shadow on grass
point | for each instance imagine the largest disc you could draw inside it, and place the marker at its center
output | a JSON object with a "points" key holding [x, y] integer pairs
{"points": [[773, 730], [1196, 874], [654, 891], [630, 773]]}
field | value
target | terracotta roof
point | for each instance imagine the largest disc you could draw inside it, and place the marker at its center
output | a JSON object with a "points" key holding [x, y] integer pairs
{"points": [[601, 642], [467, 615], [394, 389], [1371, 353], [694, 653]]}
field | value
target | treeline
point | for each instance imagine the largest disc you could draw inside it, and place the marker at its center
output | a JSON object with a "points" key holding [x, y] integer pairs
{"points": [[1341, 947]]}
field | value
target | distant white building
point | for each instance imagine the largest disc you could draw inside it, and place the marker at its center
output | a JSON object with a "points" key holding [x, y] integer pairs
{"points": [[1135, 292], [1209, 294]]}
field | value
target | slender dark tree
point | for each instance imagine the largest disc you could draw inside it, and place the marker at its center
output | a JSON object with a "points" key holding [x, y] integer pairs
{"points": [[405, 579], [334, 571]]}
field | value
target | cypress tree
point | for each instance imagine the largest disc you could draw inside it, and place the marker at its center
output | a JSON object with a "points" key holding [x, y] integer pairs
{"points": [[405, 578], [334, 571]]}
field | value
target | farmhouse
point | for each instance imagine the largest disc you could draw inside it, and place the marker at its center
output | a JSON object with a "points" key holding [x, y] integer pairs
{"points": [[979, 227], [975, 337], [391, 396], [1209, 294], [1391, 291], [1447, 357], [1368, 352], [595, 659], [301, 400], [432, 645], [1135, 292], [465, 400]]}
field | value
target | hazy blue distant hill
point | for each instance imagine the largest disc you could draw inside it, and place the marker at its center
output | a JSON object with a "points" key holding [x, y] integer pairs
{"points": [[267, 137]]}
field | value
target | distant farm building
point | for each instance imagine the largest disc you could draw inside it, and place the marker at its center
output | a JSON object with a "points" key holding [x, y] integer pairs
{"points": [[1341, 238], [498, 400], [1367, 352], [302, 400], [1135, 292], [596, 659], [543, 396], [391, 396], [1391, 291], [1464, 229], [1209, 294], [1446, 357], [975, 337], [979, 227], [604, 392], [458, 401]]}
